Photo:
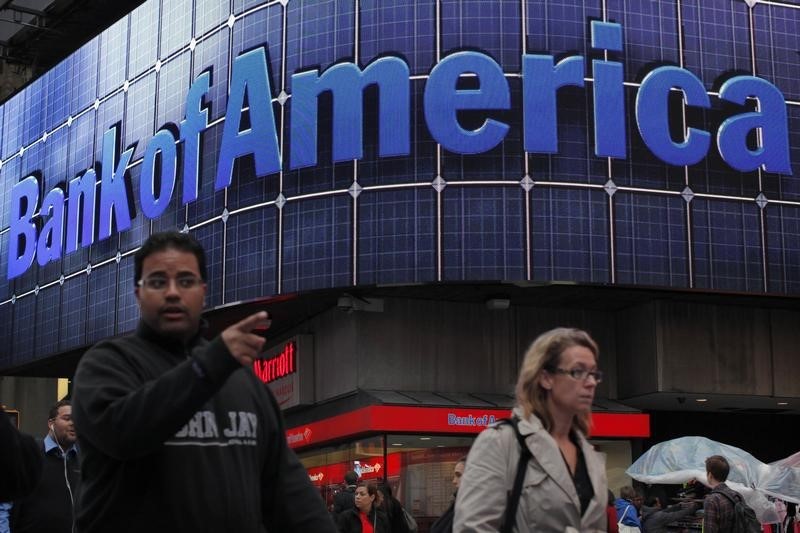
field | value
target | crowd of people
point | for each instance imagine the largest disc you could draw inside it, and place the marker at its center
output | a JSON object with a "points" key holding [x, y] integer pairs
{"points": [[170, 432]]}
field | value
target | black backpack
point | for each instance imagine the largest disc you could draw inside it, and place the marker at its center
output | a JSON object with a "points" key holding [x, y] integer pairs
{"points": [[744, 518]]}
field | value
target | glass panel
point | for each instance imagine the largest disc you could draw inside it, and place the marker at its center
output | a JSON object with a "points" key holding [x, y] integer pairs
{"points": [[327, 466], [420, 472], [618, 459]]}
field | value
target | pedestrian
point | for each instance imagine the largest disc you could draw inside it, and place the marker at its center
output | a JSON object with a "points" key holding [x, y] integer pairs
{"points": [[345, 498], [627, 512], [367, 516], [177, 433], [718, 505], [393, 509], [20, 461], [444, 524], [49, 508], [565, 482], [611, 514]]}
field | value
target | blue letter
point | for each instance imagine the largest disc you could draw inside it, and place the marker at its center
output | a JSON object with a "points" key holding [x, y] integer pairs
{"points": [[652, 115], [770, 118], [609, 93], [261, 140], [443, 101], [113, 187], [22, 226], [163, 142], [52, 236], [540, 81], [81, 198], [196, 121], [347, 82]]}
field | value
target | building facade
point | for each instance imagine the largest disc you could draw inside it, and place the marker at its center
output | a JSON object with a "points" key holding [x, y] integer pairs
{"points": [[415, 190]]}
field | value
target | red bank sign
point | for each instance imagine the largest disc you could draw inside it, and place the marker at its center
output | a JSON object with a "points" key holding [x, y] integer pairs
{"points": [[442, 420]]}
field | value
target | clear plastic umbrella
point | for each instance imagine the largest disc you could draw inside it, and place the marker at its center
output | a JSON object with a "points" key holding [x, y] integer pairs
{"points": [[681, 460]]}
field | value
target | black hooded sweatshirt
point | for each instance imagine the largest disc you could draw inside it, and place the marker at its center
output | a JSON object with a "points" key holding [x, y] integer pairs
{"points": [[181, 437]]}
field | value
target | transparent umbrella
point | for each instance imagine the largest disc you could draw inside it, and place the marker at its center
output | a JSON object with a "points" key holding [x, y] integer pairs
{"points": [[681, 460]]}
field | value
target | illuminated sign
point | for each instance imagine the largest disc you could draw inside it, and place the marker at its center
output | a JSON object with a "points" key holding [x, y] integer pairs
{"points": [[288, 370], [46, 225], [283, 364], [442, 420], [370, 468]]}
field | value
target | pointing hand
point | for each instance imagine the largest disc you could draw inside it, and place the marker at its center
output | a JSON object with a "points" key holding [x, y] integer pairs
{"points": [[240, 340]]}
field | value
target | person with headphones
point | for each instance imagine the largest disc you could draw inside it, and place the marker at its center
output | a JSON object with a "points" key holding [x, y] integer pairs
{"points": [[50, 507]]}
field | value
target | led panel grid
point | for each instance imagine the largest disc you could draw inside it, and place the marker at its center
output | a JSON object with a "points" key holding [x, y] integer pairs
{"points": [[429, 216]]}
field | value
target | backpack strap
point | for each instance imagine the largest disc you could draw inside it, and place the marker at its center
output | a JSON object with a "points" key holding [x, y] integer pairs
{"points": [[734, 502], [510, 517]]}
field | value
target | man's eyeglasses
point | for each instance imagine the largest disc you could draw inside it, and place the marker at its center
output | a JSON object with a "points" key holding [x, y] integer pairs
{"points": [[161, 283], [580, 374]]}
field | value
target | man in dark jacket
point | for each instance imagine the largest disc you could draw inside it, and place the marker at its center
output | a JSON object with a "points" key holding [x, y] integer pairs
{"points": [[49, 508], [177, 433], [717, 508], [20, 461], [345, 498], [444, 524]]}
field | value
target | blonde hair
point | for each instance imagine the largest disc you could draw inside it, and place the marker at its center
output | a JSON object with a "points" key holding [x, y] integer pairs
{"points": [[545, 354]]}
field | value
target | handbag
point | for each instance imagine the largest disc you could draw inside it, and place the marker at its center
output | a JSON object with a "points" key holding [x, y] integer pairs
{"points": [[624, 528]]}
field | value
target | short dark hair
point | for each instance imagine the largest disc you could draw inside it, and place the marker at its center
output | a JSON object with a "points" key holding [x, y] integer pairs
{"points": [[718, 467], [350, 478], [175, 240], [627, 493], [53, 414]]}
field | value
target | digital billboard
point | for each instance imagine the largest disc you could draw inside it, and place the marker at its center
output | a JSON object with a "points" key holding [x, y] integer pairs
{"points": [[319, 144]]}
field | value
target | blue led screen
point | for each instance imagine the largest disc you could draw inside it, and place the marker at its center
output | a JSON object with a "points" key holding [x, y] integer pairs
{"points": [[429, 215]]}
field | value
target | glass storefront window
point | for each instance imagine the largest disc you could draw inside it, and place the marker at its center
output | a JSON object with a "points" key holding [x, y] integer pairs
{"points": [[421, 473], [327, 466], [419, 468]]}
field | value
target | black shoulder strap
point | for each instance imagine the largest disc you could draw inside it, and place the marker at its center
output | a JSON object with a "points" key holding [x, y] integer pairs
{"points": [[510, 517]]}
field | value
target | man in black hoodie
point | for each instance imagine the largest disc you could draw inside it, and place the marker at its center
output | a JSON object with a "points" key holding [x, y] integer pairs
{"points": [[346, 498], [177, 433]]}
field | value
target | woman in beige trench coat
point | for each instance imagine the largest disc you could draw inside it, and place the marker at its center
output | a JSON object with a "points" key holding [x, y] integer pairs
{"points": [[565, 487]]}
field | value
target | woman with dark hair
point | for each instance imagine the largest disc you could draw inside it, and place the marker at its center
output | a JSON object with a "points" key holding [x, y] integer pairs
{"points": [[563, 483], [368, 516]]}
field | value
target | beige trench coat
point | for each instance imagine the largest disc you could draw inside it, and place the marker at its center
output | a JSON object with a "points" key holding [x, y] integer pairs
{"points": [[548, 503]]}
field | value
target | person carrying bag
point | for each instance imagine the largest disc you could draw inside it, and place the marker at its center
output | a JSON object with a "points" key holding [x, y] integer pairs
{"points": [[624, 528], [537, 472]]}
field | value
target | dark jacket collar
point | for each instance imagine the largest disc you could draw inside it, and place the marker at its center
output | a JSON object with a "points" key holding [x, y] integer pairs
{"points": [[170, 344]]}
